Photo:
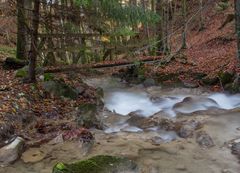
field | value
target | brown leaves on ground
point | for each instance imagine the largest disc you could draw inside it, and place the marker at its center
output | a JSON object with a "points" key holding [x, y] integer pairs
{"points": [[34, 114]]}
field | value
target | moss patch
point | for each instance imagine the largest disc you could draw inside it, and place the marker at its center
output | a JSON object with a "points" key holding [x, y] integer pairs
{"points": [[97, 164]]}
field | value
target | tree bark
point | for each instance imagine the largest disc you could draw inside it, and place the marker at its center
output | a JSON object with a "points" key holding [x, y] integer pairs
{"points": [[160, 44], [34, 38], [21, 31], [237, 17], [184, 13]]}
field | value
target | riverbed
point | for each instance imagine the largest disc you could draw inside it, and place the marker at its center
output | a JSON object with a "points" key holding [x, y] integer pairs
{"points": [[153, 148]]}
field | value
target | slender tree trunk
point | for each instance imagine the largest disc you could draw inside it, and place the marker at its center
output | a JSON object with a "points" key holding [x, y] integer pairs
{"points": [[237, 16], [184, 13], [34, 38], [160, 44], [22, 31], [201, 24]]}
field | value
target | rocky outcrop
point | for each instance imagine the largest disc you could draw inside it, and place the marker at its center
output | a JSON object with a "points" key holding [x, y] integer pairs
{"points": [[87, 116], [60, 89]]}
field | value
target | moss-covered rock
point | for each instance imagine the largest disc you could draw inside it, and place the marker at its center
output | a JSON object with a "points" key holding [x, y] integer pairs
{"points": [[22, 72], [98, 164], [60, 89], [232, 87], [87, 116], [165, 77], [14, 63], [210, 80], [226, 77], [133, 74]]}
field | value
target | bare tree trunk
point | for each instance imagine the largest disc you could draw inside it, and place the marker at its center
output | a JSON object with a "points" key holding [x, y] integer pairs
{"points": [[184, 13], [160, 43], [22, 31], [237, 16], [201, 24], [33, 49]]}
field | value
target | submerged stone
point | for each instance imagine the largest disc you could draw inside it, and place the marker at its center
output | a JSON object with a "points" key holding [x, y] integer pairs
{"points": [[204, 140], [98, 164]]}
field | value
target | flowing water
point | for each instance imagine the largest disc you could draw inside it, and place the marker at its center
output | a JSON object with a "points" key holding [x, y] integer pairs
{"points": [[123, 99], [154, 149]]}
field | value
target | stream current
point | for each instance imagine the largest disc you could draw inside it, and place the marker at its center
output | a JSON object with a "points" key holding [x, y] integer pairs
{"points": [[123, 100]]}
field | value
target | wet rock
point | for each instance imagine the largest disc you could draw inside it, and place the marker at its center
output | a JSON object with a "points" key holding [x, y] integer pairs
{"points": [[156, 140], [139, 121], [98, 164], [193, 104], [166, 124], [186, 131], [60, 89], [33, 155], [11, 152], [204, 140], [100, 97], [87, 116], [149, 82], [236, 149]]}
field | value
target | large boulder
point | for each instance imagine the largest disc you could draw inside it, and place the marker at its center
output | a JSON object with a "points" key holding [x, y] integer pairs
{"points": [[60, 89], [98, 164], [11, 152], [87, 116]]}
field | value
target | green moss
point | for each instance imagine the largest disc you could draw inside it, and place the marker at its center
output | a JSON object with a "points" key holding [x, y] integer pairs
{"points": [[223, 5], [48, 76], [23, 72], [226, 77], [97, 164], [7, 51]]}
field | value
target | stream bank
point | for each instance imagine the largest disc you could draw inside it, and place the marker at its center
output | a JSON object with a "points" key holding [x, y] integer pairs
{"points": [[195, 141]]}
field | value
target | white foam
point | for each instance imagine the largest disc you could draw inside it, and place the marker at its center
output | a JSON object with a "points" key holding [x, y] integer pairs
{"points": [[226, 101], [125, 102]]}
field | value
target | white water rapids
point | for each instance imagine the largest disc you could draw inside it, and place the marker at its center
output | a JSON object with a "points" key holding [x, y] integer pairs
{"points": [[124, 102]]}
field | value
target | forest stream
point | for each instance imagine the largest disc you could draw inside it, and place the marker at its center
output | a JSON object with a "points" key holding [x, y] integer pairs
{"points": [[196, 135]]}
